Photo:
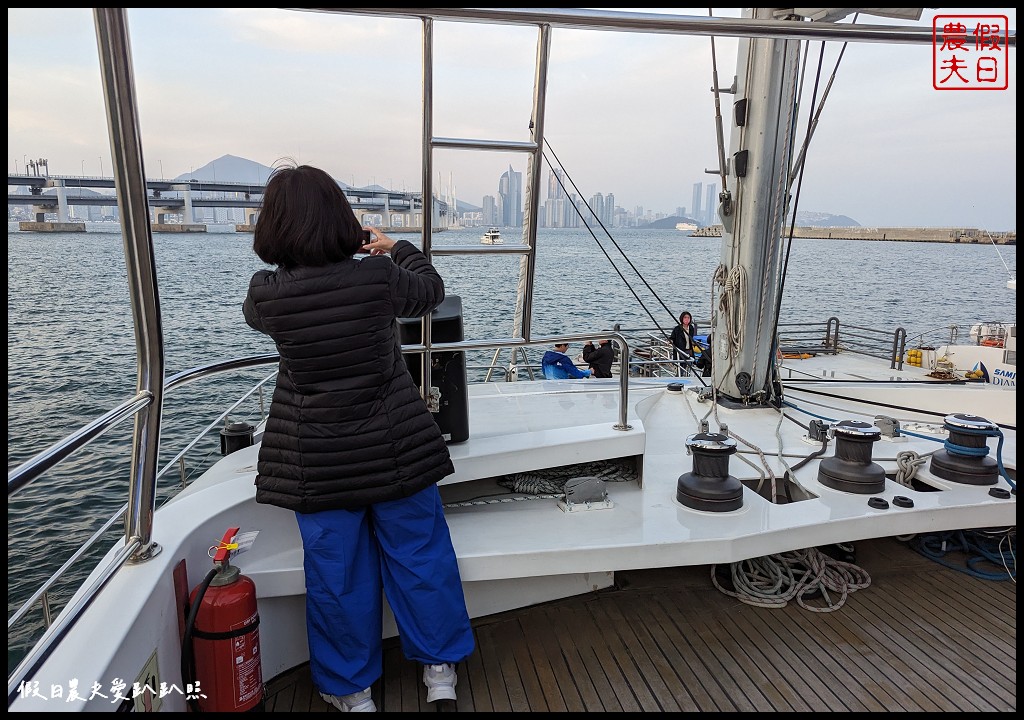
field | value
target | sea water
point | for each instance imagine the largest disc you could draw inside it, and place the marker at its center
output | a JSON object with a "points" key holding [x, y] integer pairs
{"points": [[71, 343]]}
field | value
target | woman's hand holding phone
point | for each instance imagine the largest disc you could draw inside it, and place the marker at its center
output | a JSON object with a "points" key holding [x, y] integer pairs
{"points": [[376, 242]]}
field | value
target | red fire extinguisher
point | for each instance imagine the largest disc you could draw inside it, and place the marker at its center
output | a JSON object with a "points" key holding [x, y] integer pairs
{"points": [[220, 650]]}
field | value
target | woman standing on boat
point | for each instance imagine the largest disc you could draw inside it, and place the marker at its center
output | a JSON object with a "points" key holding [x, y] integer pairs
{"points": [[350, 445], [682, 337]]}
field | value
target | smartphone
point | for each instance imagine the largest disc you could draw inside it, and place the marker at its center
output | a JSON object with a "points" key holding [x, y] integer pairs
{"points": [[367, 237]]}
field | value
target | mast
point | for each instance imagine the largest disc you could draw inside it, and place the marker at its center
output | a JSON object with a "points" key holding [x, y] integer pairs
{"points": [[762, 142], [753, 214]]}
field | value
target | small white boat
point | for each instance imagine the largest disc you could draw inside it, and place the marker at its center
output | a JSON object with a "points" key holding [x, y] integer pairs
{"points": [[492, 237]]}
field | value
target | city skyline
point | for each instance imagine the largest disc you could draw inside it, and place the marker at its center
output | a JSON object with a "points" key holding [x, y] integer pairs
{"points": [[631, 113], [560, 209]]}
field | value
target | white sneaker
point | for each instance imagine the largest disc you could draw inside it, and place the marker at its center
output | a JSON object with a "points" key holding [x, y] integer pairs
{"points": [[440, 681], [356, 702]]}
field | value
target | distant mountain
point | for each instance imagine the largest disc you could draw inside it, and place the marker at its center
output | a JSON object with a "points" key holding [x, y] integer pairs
{"points": [[669, 223], [230, 168], [809, 218], [804, 218]]}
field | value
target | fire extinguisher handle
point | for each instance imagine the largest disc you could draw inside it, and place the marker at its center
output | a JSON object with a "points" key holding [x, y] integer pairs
{"points": [[225, 547]]}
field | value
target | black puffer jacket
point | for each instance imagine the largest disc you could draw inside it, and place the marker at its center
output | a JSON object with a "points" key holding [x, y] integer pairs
{"points": [[600, 358], [347, 424]]}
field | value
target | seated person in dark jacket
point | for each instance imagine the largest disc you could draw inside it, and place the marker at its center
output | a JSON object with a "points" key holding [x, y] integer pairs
{"points": [[600, 358], [556, 365], [682, 337]]}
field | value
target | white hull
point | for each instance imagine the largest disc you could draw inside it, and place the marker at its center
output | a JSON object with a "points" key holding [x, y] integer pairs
{"points": [[492, 237], [515, 554], [965, 358]]}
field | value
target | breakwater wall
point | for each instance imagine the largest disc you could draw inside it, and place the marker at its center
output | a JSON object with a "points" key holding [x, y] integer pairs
{"points": [[896, 234], [90, 226]]}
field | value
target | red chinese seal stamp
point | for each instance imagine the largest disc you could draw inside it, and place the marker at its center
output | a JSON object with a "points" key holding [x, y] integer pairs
{"points": [[970, 52]]}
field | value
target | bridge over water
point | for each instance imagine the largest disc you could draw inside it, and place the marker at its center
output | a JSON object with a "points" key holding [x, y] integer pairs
{"points": [[55, 194]]}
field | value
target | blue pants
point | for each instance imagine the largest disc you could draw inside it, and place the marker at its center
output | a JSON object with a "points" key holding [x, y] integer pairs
{"points": [[403, 545]]}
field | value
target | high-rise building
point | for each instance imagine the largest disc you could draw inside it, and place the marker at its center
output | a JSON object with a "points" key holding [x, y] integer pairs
{"points": [[556, 182], [609, 209], [712, 205], [489, 212], [510, 191], [573, 210], [557, 210], [696, 202], [596, 205], [578, 213]]}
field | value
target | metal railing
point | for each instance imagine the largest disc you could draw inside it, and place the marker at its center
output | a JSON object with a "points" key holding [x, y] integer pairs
{"points": [[26, 473], [29, 471], [831, 337]]}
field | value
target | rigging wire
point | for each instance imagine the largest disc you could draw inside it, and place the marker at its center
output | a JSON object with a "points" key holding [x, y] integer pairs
{"points": [[718, 123], [551, 166], [773, 246], [996, 247], [797, 172], [775, 394], [796, 204], [813, 124], [734, 282]]}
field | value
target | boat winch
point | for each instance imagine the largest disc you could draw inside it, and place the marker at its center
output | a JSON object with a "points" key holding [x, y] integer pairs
{"points": [[235, 436], [709, 486], [851, 469], [964, 459]]}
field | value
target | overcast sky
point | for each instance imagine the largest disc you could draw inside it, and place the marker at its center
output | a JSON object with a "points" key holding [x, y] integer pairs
{"points": [[628, 114]]}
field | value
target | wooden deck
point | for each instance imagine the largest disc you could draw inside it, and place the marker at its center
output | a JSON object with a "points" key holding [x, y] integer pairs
{"points": [[922, 637]]}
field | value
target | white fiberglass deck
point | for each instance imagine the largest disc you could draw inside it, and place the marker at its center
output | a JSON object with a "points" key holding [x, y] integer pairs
{"points": [[517, 554], [647, 526]]}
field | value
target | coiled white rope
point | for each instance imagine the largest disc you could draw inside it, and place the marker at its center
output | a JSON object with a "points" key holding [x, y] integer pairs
{"points": [[502, 499], [549, 484], [907, 464], [552, 480], [772, 581], [732, 304]]}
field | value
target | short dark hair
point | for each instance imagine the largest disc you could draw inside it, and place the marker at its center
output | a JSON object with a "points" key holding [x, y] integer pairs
{"points": [[305, 219]]}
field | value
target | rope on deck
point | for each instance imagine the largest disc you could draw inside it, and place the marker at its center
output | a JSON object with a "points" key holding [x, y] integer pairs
{"points": [[772, 581], [552, 480], [989, 554], [549, 484]]}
